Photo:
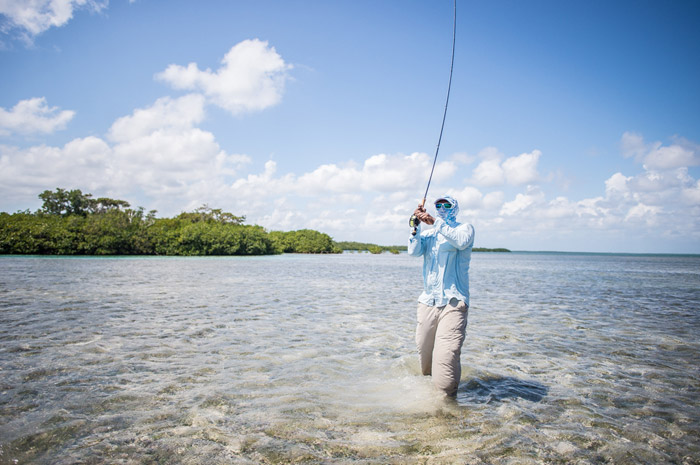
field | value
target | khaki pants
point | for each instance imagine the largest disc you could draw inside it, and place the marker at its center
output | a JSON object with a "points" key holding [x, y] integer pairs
{"points": [[439, 336]]}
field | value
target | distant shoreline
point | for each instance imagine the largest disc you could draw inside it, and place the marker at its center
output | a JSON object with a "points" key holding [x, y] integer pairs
{"points": [[479, 250], [376, 249], [631, 254]]}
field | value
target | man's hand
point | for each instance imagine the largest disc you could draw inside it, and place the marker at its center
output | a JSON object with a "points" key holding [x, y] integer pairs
{"points": [[423, 215]]}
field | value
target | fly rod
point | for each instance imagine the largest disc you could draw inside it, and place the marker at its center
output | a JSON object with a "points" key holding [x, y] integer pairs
{"points": [[414, 221]]}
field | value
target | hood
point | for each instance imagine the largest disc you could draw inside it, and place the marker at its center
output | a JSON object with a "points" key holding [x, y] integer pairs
{"points": [[449, 216]]}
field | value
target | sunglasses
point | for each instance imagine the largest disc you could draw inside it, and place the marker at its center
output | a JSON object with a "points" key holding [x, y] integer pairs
{"points": [[446, 206]]}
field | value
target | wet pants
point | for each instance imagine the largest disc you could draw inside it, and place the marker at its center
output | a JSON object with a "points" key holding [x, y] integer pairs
{"points": [[439, 336]]}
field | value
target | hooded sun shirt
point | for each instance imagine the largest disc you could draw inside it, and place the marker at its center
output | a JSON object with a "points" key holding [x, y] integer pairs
{"points": [[446, 249]]}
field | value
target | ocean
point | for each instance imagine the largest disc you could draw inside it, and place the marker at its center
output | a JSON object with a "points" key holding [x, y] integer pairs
{"points": [[569, 358]]}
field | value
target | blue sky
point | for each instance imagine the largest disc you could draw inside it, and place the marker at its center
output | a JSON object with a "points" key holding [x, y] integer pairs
{"points": [[571, 126]]}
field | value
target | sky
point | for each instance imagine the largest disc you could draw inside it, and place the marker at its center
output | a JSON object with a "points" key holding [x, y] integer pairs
{"points": [[571, 126]]}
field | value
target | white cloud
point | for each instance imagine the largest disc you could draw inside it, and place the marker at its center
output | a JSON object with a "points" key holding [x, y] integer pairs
{"points": [[653, 182], [692, 194], [469, 198], [166, 113], [27, 172], [379, 173], [258, 189], [675, 156], [632, 145], [661, 201], [523, 203], [33, 116], [156, 151], [158, 157], [655, 156], [252, 77], [488, 173], [373, 198], [331, 178], [559, 208], [494, 200], [32, 17], [518, 170], [159, 151], [617, 183], [386, 173], [463, 158], [522, 169], [646, 213]]}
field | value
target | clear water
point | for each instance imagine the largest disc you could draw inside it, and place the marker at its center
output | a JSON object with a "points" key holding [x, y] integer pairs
{"points": [[310, 359]]}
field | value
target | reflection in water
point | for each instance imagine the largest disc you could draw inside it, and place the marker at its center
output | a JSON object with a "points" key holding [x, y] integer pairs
{"points": [[497, 389]]}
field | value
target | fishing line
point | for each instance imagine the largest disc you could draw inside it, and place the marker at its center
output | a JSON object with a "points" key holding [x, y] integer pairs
{"points": [[413, 221], [447, 100]]}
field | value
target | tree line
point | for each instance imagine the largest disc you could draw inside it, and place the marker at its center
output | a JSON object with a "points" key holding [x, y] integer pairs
{"points": [[372, 248], [74, 223]]}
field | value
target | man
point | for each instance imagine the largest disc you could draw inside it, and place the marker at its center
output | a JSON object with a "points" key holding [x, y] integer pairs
{"points": [[444, 304]]}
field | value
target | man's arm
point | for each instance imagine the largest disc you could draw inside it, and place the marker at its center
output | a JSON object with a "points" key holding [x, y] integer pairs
{"points": [[460, 237], [415, 244]]}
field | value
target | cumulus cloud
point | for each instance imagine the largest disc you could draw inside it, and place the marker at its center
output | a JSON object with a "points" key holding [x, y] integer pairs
{"points": [[257, 189], [512, 205], [632, 145], [522, 203], [392, 176], [30, 18], [156, 151], [33, 116], [493, 200], [157, 156], [80, 162], [385, 173], [661, 201], [646, 213], [488, 173], [691, 194], [252, 77], [522, 169], [469, 198], [617, 184], [165, 114], [159, 150], [518, 170], [656, 156], [378, 173], [375, 196]]}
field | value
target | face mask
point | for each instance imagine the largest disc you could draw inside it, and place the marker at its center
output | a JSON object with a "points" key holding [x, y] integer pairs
{"points": [[447, 214]]}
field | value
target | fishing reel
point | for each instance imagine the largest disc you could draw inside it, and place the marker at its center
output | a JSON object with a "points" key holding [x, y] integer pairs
{"points": [[414, 222]]}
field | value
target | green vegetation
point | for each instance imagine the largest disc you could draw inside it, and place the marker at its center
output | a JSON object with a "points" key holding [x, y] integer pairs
{"points": [[373, 248], [73, 223], [304, 241]]}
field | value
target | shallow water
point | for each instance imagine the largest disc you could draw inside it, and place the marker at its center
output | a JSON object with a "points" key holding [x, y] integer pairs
{"points": [[310, 359]]}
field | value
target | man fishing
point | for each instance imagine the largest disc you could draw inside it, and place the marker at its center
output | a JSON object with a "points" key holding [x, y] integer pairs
{"points": [[444, 304]]}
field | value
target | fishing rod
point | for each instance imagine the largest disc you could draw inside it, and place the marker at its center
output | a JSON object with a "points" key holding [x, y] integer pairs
{"points": [[414, 221]]}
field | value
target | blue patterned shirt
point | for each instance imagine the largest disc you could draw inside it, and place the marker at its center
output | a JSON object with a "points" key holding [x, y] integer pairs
{"points": [[446, 251]]}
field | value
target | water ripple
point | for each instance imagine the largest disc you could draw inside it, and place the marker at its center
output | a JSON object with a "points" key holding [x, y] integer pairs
{"points": [[310, 359]]}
